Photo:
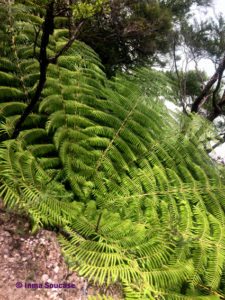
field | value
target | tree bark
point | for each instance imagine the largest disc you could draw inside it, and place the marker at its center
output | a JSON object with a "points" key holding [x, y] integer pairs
{"points": [[48, 28], [217, 76]]}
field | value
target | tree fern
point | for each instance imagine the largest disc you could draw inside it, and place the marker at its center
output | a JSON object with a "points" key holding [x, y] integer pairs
{"points": [[135, 197]]}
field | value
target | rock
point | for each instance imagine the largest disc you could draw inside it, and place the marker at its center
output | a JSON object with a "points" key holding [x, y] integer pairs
{"points": [[11, 259], [44, 277], [56, 269], [6, 233]]}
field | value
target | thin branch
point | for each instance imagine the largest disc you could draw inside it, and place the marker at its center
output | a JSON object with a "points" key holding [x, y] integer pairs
{"points": [[98, 222], [175, 61], [48, 28], [180, 80], [53, 59], [216, 91], [219, 72], [218, 106]]}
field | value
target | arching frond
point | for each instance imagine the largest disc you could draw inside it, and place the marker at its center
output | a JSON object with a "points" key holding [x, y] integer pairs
{"points": [[135, 197]]}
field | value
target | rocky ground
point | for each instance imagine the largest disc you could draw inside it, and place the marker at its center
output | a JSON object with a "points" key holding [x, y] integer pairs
{"points": [[28, 259]]}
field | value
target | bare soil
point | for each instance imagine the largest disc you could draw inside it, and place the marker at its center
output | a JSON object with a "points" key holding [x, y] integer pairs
{"points": [[31, 264]]}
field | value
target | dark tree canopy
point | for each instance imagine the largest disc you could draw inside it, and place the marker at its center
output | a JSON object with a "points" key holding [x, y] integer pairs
{"points": [[125, 33], [134, 32], [129, 33]]}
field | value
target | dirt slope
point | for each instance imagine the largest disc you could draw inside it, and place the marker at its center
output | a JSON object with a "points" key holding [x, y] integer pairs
{"points": [[30, 264]]}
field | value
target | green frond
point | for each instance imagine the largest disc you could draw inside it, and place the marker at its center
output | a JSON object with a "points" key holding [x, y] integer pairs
{"points": [[136, 199], [99, 297]]}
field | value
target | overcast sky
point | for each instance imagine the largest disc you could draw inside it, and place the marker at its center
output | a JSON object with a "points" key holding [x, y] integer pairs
{"points": [[219, 6]]}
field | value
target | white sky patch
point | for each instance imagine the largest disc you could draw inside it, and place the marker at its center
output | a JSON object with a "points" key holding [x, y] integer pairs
{"points": [[171, 106], [207, 65], [217, 8], [204, 65], [219, 153]]}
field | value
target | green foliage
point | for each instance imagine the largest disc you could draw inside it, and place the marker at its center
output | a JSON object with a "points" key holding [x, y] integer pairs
{"points": [[194, 81], [87, 9], [129, 34], [182, 7], [99, 298], [136, 200], [191, 83], [136, 32], [205, 38]]}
